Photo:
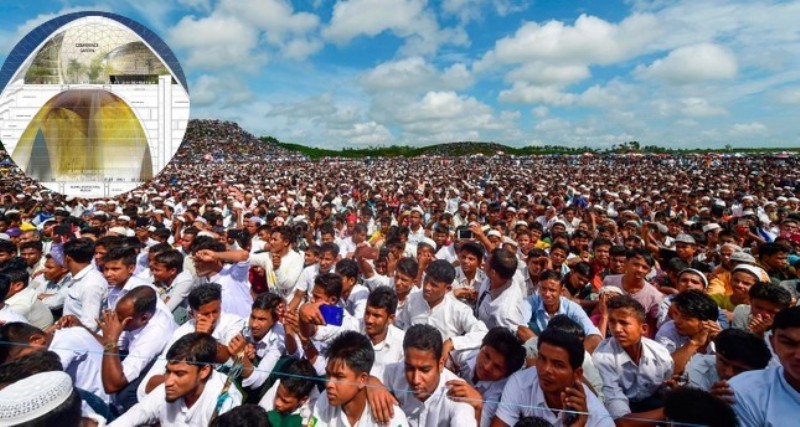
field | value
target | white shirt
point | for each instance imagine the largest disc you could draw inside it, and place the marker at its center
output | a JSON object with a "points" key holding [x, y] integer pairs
{"points": [[26, 303], [234, 280], [325, 334], [506, 309], [388, 351], [57, 291], [701, 371], [178, 292], [270, 348], [326, 415], [8, 315], [461, 282], [523, 397], [82, 358], [491, 391], [625, 381], [438, 410], [305, 282], [145, 343], [155, 408], [447, 253], [228, 326], [85, 296], [451, 317], [669, 337], [356, 303], [346, 247], [286, 275], [764, 398]]}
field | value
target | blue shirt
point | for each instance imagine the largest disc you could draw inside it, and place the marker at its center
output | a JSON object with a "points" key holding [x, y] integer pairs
{"points": [[764, 398], [540, 318]]}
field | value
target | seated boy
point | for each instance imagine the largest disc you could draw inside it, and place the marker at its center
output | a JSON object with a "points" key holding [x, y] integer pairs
{"points": [[290, 401], [693, 328]]}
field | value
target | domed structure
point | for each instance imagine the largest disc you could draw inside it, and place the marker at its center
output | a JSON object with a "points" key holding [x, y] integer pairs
{"points": [[92, 104]]}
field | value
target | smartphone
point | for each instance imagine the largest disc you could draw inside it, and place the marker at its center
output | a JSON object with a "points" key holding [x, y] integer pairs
{"points": [[333, 314], [369, 252], [463, 234]]}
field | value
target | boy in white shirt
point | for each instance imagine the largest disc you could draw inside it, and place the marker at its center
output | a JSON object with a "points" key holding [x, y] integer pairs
{"points": [[293, 396], [328, 255], [192, 393], [344, 403], [500, 302], [387, 339], [354, 295]]}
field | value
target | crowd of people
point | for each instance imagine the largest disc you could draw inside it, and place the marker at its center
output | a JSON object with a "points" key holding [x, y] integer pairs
{"points": [[260, 288]]}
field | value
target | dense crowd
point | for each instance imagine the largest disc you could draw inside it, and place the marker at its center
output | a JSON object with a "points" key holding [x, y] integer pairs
{"points": [[246, 285]]}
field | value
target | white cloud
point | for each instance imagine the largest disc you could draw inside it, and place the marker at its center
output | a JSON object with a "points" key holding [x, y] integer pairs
{"points": [[411, 20], [218, 41], [543, 73], [700, 107], [789, 96], [197, 4], [417, 75], [469, 10], [529, 94], [748, 128], [691, 64], [366, 133], [224, 91], [541, 111]]}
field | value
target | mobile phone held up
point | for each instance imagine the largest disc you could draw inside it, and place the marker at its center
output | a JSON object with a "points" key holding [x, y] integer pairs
{"points": [[463, 233], [333, 314]]}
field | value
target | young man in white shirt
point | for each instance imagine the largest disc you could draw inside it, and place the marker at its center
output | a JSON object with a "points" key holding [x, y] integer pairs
{"points": [[210, 260], [485, 371], [633, 368], [692, 329], [24, 299], [168, 274], [770, 397], [387, 339], [500, 302], [284, 261], [206, 318], [737, 351], [328, 256], [293, 396], [402, 281], [53, 289], [469, 275], [423, 373], [192, 393], [344, 403], [354, 295], [436, 306], [553, 389], [119, 264], [87, 289]]}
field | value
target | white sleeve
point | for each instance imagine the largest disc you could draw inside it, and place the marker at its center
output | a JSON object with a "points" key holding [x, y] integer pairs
{"points": [[180, 291], [615, 399], [92, 297], [146, 412], [472, 330]]}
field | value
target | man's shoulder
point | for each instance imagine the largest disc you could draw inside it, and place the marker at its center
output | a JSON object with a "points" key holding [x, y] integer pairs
{"points": [[755, 382], [657, 349]]}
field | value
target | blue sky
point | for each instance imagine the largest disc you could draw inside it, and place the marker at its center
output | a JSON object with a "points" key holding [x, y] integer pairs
{"points": [[335, 73]]}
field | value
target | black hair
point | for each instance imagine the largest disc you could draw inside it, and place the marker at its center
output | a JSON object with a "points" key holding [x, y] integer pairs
{"points": [[641, 253], [193, 348], [206, 242], [171, 259], [676, 265], [787, 318], [618, 250], [503, 262], [32, 363], [354, 349], [296, 378], [94, 231], [203, 294], [360, 228], [696, 304], [440, 271], [243, 416], [109, 242], [159, 248], [533, 421], [742, 346], [268, 301], [331, 284], [772, 293], [601, 241], [383, 297], [563, 323], [314, 250], [771, 248], [329, 248], [286, 232], [566, 341], [506, 343], [5, 285], [407, 266], [425, 338], [559, 245], [144, 299], [627, 302], [15, 274], [347, 268], [161, 232], [698, 407], [536, 253], [15, 335], [80, 250], [8, 247], [549, 275], [583, 268], [32, 244], [124, 254]]}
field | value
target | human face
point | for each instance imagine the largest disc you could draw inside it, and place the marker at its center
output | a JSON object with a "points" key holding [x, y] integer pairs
{"points": [[309, 258], [601, 255], [626, 327], [416, 219], [326, 261], [422, 371], [786, 342], [440, 239], [31, 256], [524, 241], [637, 267], [741, 282], [777, 261], [319, 295], [685, 251], [343, 384], [690, 281], [276, 243], [402, 283], [728, 368], [53, 271], [434, 291], [326, 238], [117, 273], [554, 369], [376, 320], [260, 323], [286, 402], [211, 311], [186, 242], [184, 379], [490, 364], [550, 292], [99, 253], [161, 273], [617, 264], [764, 308], [686, 325], [557, 256], [725, 254], [469, 262]]}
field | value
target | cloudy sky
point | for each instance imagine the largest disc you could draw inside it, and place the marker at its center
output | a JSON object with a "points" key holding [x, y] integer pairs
{"points": [[336, 73]]}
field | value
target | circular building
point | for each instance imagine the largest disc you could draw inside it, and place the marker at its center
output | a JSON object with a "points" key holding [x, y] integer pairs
{"points": [[92, 104]]}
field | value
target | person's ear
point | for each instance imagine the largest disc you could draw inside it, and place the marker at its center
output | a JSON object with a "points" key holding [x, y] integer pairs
{"points": [[645, 328], [204, 372], [38, 339], [391, 318]]}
